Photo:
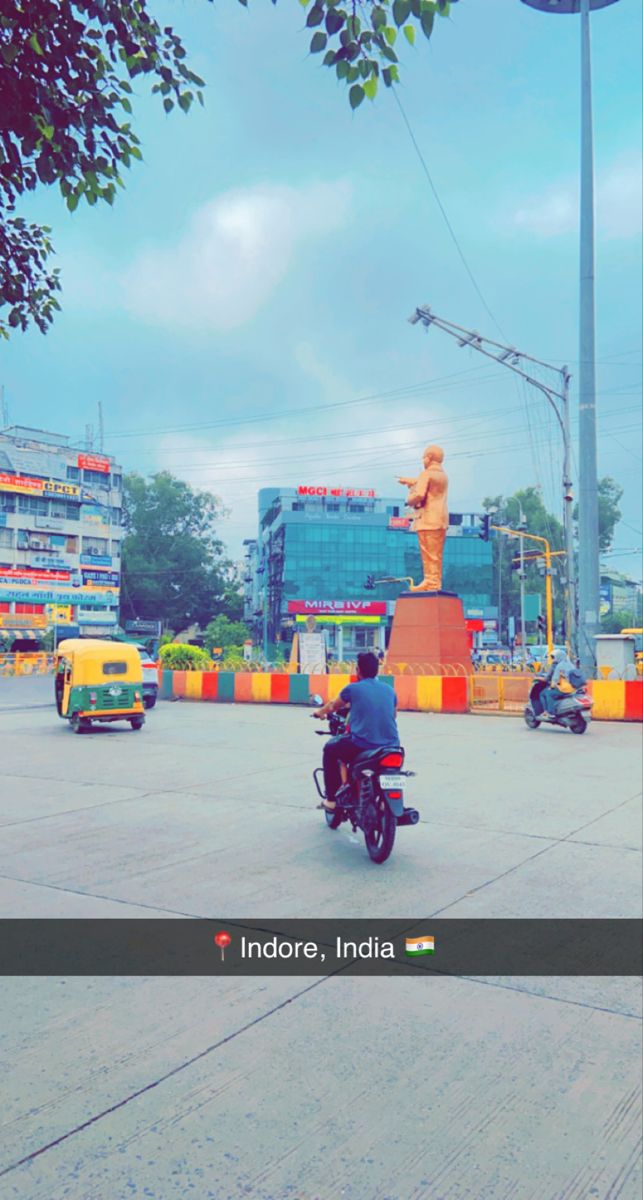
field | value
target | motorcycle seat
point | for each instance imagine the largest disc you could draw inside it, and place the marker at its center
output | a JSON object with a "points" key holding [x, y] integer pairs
{"points": [[368, 755]]}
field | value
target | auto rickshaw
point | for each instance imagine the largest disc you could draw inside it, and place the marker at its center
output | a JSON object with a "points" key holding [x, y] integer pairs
{"points": [[98, 681]]}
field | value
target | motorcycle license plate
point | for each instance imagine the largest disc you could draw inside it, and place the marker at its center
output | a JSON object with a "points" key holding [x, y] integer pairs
{"points": [[391, 781]]}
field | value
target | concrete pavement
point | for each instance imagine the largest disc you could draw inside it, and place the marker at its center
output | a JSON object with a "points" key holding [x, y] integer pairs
{"points": [[300, 1088]]}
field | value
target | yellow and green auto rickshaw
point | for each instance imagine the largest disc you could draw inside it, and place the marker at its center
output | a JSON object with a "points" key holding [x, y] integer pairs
{"points": [[98, 681]]}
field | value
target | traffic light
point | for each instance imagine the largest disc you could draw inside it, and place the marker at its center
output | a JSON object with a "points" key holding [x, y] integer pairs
{"points": [[484, 527], [370, 583], [542, 624]]}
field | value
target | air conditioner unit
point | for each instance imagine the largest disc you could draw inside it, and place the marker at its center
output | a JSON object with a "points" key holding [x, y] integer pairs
{"points": [[37, 544]]}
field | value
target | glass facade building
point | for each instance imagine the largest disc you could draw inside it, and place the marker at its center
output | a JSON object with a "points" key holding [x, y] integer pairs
{"points": [[321, 545]]}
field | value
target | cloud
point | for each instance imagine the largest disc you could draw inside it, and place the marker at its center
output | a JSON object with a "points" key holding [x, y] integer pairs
{"points": [[618, 204], [233, 254]]}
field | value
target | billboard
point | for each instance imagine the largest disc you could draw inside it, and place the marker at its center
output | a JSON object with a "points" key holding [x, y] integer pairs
{"points": [[364, 608], [94, 462], [364, 493], [28, 486]]}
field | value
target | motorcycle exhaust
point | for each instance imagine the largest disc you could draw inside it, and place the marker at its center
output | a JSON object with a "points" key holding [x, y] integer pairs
{"points": [[410, 816]]}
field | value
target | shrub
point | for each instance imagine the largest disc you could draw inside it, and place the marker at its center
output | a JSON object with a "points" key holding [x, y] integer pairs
{"points": [[179, 657]]}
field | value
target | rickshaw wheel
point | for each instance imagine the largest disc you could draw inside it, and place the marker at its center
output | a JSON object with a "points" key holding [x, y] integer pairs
{"points": [[137, 722], [77, 723]]}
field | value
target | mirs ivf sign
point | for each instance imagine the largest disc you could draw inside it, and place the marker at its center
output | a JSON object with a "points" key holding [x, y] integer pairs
{"points": [[371, 608]]}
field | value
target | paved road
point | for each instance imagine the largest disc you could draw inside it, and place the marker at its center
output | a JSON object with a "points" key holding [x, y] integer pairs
{"points": [[315, 1088]]}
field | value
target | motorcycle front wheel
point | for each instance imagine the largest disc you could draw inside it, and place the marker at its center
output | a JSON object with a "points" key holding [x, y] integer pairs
{"points": [[379, 826]]}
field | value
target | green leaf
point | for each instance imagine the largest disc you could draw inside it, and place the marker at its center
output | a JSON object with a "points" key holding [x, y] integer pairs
{"points": [[409, 33], [315, 16], [390, 34], [126, 105], [35, 44], [378, 17], [318, 42], [401, 10], [426, 21], [185, 101], [72, 202], [342, 68], [356, 95], [370, 87], [135, 153], [168, 105]]}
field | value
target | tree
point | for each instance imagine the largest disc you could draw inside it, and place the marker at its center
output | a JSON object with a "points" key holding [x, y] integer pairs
{"points": [[609, 513], [65, 96], [614, 622], [174, 568], [223, 633]]}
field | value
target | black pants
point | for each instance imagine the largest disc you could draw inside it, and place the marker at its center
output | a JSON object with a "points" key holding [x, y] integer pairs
{"points": [[336, 750]]}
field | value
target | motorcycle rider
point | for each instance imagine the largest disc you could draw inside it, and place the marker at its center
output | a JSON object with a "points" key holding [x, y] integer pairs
{"points": [[558, 682], [373, 707]]}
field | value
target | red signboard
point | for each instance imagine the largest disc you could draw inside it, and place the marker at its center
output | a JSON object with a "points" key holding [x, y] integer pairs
{"points": [[363, 493], [399, 522], [94, 462], [362, 608], [34, 575]]}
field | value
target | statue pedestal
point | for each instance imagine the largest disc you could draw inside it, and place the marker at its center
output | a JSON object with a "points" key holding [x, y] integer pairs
{"points": [[429, 633]]}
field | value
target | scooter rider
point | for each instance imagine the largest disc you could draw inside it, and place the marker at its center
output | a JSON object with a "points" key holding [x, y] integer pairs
{"points": [[373, 708], [558, 681]]}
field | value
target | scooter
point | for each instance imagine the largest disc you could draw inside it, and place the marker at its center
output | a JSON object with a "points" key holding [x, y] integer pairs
{"points": [[572, 712], [374, 801]]}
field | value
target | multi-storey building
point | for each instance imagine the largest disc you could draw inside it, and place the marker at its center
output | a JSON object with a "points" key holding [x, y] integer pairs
{"points": [[60, 537], [316, 547]]}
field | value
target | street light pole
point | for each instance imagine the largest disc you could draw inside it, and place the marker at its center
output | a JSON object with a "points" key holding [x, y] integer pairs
{"points": [[511, 358], [588, 559], [588, 553]]}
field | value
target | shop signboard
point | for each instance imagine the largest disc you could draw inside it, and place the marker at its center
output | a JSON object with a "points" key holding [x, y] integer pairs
{"points": [[60, 614], [96, 616], [28, 486], [94, 462], [365, 608], [100, 578], [96, 514], [23, 621], [96, 560], [399, 522], [52, 561], [90, 597], [141, 625], [28, 575], [354, 493]]}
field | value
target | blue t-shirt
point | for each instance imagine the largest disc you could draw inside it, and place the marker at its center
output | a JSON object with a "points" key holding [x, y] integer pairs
{"points": [[372, 718]]}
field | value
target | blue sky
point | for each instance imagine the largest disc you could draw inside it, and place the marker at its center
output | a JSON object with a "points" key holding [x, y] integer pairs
{"points": [[267, 253]]}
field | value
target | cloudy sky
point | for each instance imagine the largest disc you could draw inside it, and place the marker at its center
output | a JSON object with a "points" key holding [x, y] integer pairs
{"points": [[242, 311]]}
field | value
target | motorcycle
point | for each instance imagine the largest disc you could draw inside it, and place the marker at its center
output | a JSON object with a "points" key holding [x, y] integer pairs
{"points": [[375, 801], [572, 712]]}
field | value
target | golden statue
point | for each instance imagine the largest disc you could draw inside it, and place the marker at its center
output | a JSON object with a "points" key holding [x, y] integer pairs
{"points": [[428, 496]]}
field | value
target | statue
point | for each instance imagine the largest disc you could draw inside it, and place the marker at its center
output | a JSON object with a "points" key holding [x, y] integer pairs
{"points": [[428, 496]]}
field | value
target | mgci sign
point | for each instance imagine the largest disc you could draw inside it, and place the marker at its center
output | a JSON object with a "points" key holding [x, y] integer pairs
{"points": [[362, 493]]}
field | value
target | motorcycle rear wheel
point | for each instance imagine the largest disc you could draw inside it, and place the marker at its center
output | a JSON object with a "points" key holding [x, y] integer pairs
{"points": [[578, 724], [379, 833]]}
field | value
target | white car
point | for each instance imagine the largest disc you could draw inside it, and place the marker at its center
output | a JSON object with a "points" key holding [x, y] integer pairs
{"points": [[150, 678]]}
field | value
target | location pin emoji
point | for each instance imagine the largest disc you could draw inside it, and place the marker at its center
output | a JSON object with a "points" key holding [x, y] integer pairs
{"points": [[222, 939]]}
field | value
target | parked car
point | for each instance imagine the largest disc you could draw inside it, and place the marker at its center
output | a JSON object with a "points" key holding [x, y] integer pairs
{"points": [[150, 678]]}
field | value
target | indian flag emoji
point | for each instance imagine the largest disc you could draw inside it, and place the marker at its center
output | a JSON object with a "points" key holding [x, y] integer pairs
{"points": [[421, 945]]}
